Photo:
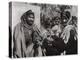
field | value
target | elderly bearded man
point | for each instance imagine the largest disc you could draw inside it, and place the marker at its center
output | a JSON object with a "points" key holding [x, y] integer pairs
{"points": [[23, 36]]}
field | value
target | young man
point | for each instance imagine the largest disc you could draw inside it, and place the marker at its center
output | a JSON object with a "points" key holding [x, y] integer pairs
{"points": [[69, 34]]}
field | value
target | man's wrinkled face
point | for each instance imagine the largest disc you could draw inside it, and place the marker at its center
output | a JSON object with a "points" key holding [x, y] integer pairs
{"points": [[30, 19], [57, 21]]}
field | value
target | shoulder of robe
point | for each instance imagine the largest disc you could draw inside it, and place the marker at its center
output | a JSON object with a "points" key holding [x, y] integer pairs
{"points": [[17, 30]]}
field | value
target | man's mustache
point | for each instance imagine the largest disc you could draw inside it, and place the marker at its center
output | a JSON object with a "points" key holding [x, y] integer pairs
{"points": [[31, 21]]}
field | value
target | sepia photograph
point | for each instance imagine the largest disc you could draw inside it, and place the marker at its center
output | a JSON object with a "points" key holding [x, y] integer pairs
{"points": [[40, 29]]}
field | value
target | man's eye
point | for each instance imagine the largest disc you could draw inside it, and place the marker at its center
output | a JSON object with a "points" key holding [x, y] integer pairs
{"points": [[48, 35], [52, 35]]}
